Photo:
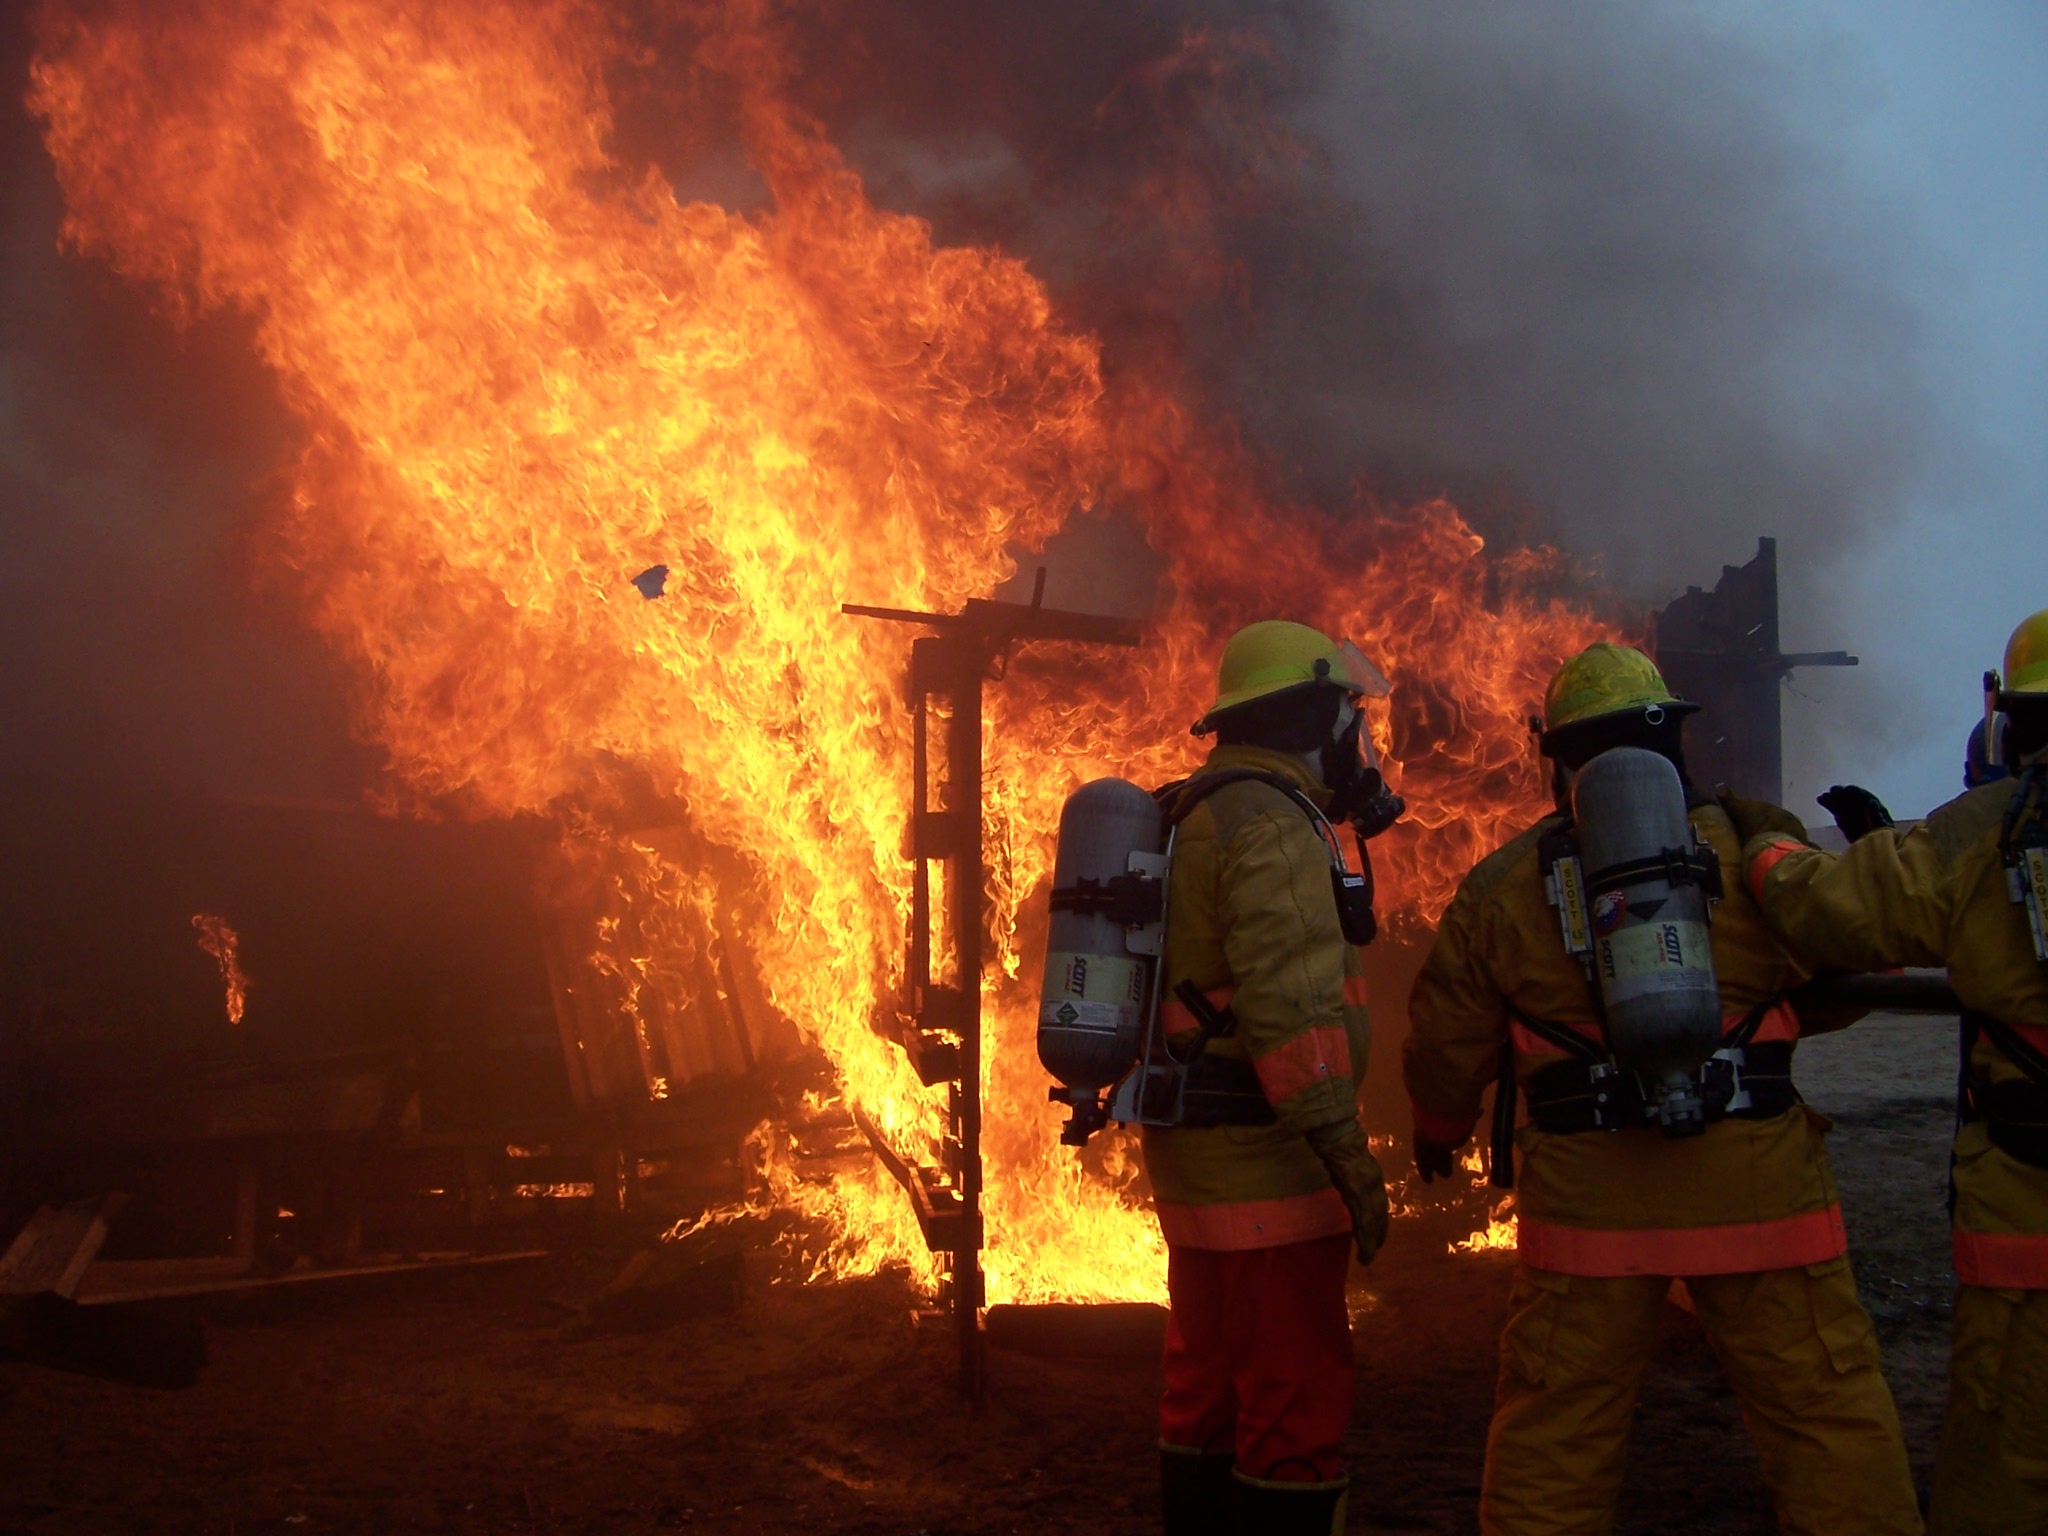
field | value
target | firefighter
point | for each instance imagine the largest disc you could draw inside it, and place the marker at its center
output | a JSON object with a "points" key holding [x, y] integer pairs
{"points": [[1744, 1212], [1966, 888], [1261, 1219]]}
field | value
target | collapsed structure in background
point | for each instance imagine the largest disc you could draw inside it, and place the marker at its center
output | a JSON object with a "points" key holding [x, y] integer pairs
{"points": [[1720, 649]]}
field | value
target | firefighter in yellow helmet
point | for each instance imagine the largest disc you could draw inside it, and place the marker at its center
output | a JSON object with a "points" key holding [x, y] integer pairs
{"points": [[1264, 1194], [1967, 888], [1611, 1208]]}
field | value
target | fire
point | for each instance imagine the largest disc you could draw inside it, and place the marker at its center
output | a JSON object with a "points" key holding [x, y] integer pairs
{"points": [[1499, 1233], [526, 373], [217, 939], [1497, 1236]]}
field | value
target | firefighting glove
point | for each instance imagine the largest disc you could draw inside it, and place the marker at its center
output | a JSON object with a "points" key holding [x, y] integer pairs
{"points": [[1856, 810], [1752, 818], [1434, 1159], [1356, 1173]]}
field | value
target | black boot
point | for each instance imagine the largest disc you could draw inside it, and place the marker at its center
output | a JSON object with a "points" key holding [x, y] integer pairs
{"points": [[1263, 1508], [1194, 1488]]}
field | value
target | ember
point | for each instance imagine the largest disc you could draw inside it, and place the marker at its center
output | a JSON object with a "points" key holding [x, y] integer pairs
{"points": [[524, 369], [217, 939]]}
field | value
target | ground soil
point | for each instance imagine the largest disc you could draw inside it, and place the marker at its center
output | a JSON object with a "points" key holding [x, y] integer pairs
{"points": [[488, 1402]]}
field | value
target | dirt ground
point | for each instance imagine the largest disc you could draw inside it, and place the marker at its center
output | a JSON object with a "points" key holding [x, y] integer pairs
{"points": [[485, 1402]]}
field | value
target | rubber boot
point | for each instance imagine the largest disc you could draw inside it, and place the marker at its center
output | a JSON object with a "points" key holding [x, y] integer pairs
{"points": [[1195, 1493], [1263, 1508]]}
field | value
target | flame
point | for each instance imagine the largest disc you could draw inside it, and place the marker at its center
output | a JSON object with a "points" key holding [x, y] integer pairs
{"points": [[1499, 1233], [217, 939], [526, 373], [1497, 1236]]}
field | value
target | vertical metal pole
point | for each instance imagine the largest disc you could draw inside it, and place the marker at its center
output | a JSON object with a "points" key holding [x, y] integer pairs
{"points": [[920, 959], [963, 753]]}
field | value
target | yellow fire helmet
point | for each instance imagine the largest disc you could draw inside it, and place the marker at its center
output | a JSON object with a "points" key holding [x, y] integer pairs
{"points": [[2026, 658], [1602, 681], [1274, 656]]}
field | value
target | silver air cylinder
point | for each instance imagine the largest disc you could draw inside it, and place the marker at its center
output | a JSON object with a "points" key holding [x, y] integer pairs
{"points": [[1091, 1014], [1651, 958]]}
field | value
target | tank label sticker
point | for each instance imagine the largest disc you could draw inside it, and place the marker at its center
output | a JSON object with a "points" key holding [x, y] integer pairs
{"points": [[2035, 861], [1655, 957], [1091, 991], [1609, 908]]}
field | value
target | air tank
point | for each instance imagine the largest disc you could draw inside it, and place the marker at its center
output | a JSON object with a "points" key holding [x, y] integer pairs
{"points": [[1648, 912], [1107, 907]]}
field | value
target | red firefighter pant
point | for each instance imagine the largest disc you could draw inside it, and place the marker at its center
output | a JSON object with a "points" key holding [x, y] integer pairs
{"points": [[1258, 1357]]}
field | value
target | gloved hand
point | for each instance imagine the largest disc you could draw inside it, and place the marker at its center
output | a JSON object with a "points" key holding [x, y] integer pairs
{"points": [[1434, 1159], [1856, 810], [1356, 1173], [1754, 817]]}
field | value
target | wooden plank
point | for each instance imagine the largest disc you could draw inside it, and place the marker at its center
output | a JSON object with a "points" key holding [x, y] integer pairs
{"points": [[53, 1251], [106, 1284]]}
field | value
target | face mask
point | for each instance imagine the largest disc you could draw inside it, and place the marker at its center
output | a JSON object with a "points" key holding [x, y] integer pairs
{"points": [[1358, 791]]}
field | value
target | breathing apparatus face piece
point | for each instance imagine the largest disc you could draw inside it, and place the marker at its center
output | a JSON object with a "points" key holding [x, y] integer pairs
{"points": [[2026, 728], [1351, 768]]}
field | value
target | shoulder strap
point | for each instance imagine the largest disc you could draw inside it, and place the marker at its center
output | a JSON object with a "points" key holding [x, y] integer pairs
{"points": [[1563, 1036], [1186, 794], [2026, 817]]}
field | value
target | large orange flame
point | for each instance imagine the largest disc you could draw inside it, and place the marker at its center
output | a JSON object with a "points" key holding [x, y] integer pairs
{"points": [[525, 374]]}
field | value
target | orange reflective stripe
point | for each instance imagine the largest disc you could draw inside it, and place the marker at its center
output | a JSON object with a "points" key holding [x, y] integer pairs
{"points": [[1767, 859], [1354, 991], [1175, 1018], [2015, 1261], [1254, 1223], [1302, 1062], [1780, 1023], [1738, 1248]]}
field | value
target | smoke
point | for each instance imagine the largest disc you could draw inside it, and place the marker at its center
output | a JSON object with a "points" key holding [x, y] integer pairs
{"points": [[1585, 267], [1588, 268], [137, 644]]}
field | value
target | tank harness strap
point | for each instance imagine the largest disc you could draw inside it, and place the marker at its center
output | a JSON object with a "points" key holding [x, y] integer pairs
{"points": [[2023, 850], [1182, 796], [1563, 1036], [1501, 1173], [1594, 1092], [1352, 890], [2015, 1113]]}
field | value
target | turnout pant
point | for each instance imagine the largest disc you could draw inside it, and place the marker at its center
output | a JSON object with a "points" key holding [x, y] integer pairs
{"points": [[1800, 1354], [1258, 1358], [1991, 1477]]}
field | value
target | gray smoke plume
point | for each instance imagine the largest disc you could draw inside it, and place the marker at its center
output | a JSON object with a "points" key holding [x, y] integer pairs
{"points": [[1583, 265]]}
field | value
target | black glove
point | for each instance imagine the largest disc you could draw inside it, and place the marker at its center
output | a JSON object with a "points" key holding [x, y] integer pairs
{"points": [[1856, 810], [1434, 1159], [1754, 817], [1356, 1173]]}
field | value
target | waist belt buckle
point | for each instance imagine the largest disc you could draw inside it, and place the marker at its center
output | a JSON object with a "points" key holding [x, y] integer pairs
{"points": [[1611, 1102], [1738, 1097]]}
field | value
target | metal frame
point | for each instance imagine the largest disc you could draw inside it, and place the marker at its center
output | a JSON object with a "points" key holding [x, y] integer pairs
{"points": [[942, 1034]]}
